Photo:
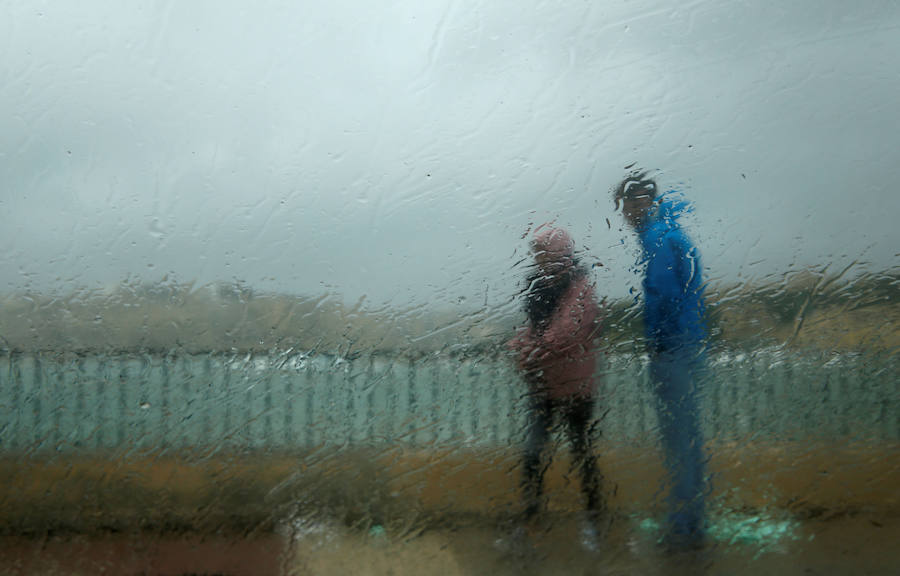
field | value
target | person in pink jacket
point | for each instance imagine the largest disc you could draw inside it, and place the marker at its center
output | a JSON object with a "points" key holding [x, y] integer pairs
{"points": [[556, 353]]}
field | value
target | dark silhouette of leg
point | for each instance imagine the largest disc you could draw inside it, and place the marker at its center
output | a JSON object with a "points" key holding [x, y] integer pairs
{"points": [[541, 420], [579, 426]]}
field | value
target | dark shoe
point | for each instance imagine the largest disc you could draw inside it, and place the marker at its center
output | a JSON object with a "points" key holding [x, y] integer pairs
{"points": [[589, 537], [684, 542], [593, 531], [516, 542]]}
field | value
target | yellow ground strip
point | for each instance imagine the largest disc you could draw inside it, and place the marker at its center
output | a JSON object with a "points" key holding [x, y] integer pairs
{"points": [[196, 490]]}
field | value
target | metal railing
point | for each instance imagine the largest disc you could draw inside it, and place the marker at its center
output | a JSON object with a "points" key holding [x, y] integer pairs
{"points": [[69, 403]]}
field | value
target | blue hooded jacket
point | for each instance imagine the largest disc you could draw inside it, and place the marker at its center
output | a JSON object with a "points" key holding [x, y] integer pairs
{"points": [[673, 285]]}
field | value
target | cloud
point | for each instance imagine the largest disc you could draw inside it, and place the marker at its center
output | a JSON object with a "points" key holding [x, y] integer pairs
{"points": [[399, 152]]}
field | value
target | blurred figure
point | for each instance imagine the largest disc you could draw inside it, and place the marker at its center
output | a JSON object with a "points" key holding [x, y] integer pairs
{"points": [[675, 335], [555, 352]]}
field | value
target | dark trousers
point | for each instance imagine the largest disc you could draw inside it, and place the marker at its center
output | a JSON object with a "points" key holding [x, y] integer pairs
{"points": [[676, 376], [576, 413]]}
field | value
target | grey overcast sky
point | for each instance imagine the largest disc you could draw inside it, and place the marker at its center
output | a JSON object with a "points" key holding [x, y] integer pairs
{"points": [[400, 150]]}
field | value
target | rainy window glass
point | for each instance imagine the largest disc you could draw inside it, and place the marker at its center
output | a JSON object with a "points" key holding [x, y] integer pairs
{"points": [[449, 288]]}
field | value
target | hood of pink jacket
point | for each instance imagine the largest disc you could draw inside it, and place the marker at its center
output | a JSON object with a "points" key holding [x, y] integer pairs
{"points": [[555, 241]]}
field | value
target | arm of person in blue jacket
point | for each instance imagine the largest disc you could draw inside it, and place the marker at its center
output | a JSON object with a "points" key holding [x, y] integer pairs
{"points": [[686, 262]]}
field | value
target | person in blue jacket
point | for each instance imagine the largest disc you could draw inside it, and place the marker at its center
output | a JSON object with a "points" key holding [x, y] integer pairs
{"points": [[675, 336]]}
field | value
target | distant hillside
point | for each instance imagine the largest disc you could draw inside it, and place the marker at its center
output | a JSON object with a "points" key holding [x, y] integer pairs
{"points": [[800, 310], [228, 317], [817, 310]]}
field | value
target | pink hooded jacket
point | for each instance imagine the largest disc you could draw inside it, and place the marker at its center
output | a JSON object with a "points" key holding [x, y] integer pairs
{"points": [[560, 360]]}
